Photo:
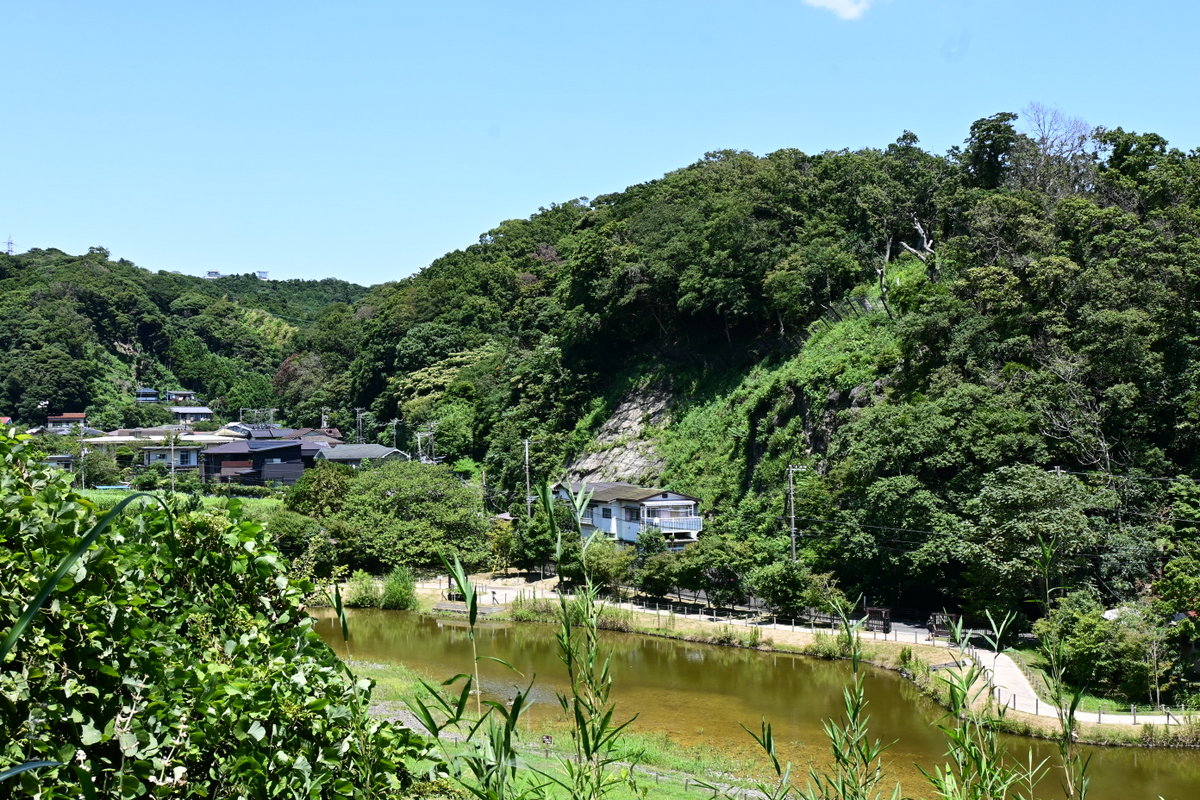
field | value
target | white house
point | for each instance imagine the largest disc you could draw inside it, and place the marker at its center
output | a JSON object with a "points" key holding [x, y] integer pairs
{"points": [[186, 414], [621, 511], [186, 456]]}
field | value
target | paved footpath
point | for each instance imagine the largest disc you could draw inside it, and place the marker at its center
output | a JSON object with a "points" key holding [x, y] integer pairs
{"points": [[1009, 683]]}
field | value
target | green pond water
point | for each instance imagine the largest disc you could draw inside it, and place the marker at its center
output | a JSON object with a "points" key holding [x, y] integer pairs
{"points": [[698, 694]]}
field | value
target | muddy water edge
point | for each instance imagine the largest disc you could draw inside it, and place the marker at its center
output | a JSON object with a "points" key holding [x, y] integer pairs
{"points": [[697, 694]]}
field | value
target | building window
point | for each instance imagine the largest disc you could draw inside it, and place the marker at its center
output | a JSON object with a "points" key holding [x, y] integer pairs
{"points": [[606, 513], [631, 515]]}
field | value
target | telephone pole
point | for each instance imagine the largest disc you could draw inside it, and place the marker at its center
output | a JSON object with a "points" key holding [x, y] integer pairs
{"points": [[528, 491], [392, 424], [791, 471], [359, 413]]}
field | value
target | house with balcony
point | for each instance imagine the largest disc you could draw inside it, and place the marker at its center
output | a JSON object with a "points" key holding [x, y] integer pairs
{"points": [[178, 457], [188, 414], [65, 423], [621, 511]]}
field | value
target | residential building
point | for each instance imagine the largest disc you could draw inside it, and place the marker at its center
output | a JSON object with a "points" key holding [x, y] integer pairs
{"points": [[64, 461], [621, 511], [355, 454], [186, 414], [181, 396], [145, 394], [63, 423], [186, 456], [253, 462]]}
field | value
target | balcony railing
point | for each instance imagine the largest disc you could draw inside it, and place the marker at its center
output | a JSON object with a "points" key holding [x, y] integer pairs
{"points": [[668, 524]]}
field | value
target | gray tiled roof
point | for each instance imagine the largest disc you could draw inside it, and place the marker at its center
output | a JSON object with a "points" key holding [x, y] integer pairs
{"points": [[356, 452]]}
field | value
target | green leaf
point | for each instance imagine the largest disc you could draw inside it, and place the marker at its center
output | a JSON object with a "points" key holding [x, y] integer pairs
{"points": [[88, 734], [257, 731], [81, 547]]}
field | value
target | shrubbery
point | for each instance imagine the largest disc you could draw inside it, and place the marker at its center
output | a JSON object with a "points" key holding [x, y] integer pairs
{"points": [[174, 658]]}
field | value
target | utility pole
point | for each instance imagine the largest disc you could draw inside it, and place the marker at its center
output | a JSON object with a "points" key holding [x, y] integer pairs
{"points": [[791, 471], [427, 433], [325, 416], [358, 424], [83, 451], [528, 491], [172, 437], [393, 425]]}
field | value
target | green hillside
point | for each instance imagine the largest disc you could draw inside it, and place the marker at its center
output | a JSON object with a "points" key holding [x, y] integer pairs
{"points": [[81, 332], [931, 336]]}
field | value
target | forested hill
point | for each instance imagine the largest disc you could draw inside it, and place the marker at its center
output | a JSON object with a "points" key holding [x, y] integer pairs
{"points": [[81, 332], [929, 336]]}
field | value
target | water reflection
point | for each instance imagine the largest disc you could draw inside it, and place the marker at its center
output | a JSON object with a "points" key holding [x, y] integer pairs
{"points": [[698, 694]]}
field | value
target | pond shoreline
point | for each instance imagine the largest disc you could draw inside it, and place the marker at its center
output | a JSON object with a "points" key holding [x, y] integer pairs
{"points": [[887, 655]]}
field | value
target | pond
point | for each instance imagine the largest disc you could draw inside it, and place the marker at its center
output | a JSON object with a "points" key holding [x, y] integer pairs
{"points": [[701, 694]]}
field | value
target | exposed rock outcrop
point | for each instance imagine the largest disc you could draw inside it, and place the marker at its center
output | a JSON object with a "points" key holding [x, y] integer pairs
{"points": [[623, 449]]}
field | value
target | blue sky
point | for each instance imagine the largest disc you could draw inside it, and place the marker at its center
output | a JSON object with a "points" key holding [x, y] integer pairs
{"points": [[361, 140]]}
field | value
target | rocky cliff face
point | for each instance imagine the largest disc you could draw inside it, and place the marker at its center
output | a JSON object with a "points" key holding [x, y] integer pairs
{"points": [[624, 447]]}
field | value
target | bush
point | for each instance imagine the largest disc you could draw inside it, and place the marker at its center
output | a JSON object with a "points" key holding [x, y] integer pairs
{"points": [[320, 490], [183, 641], [242, 490], [362, 591], [398, 590], [405, 512], [291, 532]]}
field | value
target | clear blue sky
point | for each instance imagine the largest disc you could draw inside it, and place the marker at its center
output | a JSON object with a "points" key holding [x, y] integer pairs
{"points": [[361, 140]]}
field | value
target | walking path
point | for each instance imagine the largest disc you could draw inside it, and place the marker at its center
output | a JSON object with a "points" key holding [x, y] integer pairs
{"points": [[1010, 685]]}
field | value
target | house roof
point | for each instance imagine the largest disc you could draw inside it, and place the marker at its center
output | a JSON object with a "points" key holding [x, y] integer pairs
{"points": [[273, 432], [603, 492], [5, 420], [246, 446], [357, 452], [186, 439], [68, 415], [191, 410], [320, 434], [156, 430]]}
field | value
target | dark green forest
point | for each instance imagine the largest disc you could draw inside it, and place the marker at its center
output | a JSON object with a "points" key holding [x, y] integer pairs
{"points": [[82, 332], [984, 360]]}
